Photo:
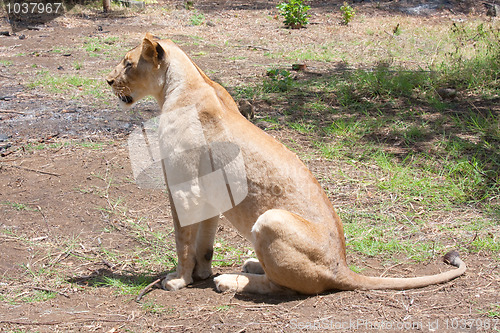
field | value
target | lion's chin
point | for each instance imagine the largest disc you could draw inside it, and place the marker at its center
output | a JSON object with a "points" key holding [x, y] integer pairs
{"points": [[127, 99], [126, 102]]}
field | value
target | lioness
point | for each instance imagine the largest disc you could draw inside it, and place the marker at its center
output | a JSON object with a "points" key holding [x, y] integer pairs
{"points": [[297, 235]]}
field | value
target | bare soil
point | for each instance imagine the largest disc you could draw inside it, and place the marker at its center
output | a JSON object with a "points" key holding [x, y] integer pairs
{"points": [[67, 197]]}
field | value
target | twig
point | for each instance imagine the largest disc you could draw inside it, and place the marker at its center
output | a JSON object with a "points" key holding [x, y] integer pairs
{"points": [[48, 323], [146, 289], [389, 268], [51, 291], [10, 111], [6, 76], [45, 220], [33, 170], [254, 47]]}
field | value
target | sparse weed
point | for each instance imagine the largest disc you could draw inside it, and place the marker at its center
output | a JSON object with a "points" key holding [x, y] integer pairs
{"points": [[153, 307], [197, 18], [280, 80], [20, 206], [474, 62]]}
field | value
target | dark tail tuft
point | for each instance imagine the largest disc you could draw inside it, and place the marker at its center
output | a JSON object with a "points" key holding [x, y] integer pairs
{"points": [[452, 258]]}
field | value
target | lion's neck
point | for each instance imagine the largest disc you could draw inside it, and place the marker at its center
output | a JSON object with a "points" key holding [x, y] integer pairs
{"points": [[182, 77]]}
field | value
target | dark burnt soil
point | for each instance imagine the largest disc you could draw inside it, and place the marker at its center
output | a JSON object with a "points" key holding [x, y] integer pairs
{"points": [[71, 216]]}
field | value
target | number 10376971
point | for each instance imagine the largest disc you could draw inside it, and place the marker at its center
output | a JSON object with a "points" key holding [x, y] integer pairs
{"points": [[27, 8]]}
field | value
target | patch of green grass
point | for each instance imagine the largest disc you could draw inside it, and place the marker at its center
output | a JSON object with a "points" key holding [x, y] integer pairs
{"points": [[224, 307], [75, 85], [494, 312], [152, 307], [92, 145], [237, 58], [473, 63], [157, 250], [57, 145], [199, 54], [226, 254], [372, 234], [38, 296], [19, 206], [123, 284], [412, 180], [197, 18], [6, 62], [302, 127], [99, 46], [486, 242], [356, 269]]}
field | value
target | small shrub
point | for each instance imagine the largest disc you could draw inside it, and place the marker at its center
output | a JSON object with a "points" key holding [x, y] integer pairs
{"points": [[295, 13], [347, 13]]}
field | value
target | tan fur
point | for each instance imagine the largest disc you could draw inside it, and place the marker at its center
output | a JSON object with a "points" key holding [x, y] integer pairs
{"points": [[297, 234]]}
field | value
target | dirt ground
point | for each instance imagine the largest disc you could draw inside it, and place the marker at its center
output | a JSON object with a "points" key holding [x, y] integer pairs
{"points": [[69, 207]]}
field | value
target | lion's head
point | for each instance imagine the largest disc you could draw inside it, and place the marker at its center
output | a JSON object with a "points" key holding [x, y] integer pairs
{"points": [[139, 74]]}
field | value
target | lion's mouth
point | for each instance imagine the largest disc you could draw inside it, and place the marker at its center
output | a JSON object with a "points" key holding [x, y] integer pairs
{"points": [[126, 99]]}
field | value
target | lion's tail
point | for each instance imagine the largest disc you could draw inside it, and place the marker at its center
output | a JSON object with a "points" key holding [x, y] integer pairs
{"points": [[358, 281]]}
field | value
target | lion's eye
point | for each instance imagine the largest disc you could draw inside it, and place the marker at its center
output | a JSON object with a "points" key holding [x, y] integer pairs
{"points": [[128, 64]]}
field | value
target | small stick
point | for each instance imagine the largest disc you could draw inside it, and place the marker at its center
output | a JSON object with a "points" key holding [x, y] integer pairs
{"points": [[146, 289], [33, 170], [10, 111], [51, 291], [254, 47]]}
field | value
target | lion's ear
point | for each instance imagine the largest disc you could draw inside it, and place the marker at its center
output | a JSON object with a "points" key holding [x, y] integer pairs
{"points": [[152, 50]]}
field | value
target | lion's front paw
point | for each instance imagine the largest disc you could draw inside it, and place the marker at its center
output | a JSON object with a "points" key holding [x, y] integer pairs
{"points": [[173, 282], [202, 274]]}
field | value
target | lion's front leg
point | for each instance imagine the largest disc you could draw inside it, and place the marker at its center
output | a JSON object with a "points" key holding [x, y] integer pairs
{"points": [[205, 248], [185, 242]]}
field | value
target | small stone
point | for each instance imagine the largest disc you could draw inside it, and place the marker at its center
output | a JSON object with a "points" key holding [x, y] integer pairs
{"points": [[447, 93], [4, 137]]}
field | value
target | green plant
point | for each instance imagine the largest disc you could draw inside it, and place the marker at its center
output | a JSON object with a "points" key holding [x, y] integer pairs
{"points": [[152, 307], [347, 13], [295, 13], [197, 18], [19, 206], [280, 80]]}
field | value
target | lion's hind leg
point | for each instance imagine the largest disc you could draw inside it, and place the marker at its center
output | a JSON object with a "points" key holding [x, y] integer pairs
{"points": [[252, 266], [295, 253]]}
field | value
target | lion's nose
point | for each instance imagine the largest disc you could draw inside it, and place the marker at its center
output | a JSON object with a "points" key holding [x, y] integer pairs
{"points": [[110, 81]]}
